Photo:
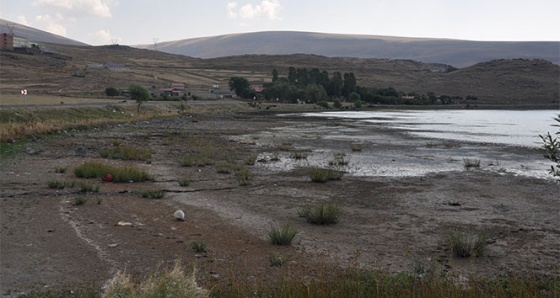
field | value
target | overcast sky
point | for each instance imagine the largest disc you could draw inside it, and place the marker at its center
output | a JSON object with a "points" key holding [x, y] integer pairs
{"points": [[131, 22]]}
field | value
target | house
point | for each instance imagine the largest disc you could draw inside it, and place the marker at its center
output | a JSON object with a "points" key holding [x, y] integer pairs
{"points": [[11, 42], [178, 86], [115, 66], [257, 88], [170, 92]]}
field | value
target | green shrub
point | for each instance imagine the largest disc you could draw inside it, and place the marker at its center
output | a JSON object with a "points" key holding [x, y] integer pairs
{"points": [[126, 153], [93, 169], [80, 200], [471, 163], [323, 104], [276, 260], [199, 246], [322, 214], [282, 235], [55, 184], [323, 175], [88, 187], [153, 194], [251, 159], [463, 246], [339, 160], [297, 155], [60, 169], [356, 147], [224, 168], [243, 176], [184, 182]]}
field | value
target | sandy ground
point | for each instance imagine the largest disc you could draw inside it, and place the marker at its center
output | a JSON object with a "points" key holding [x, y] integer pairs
{"points": [[389, 222]]}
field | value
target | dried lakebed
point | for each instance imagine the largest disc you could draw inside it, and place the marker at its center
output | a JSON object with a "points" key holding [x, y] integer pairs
{"points": [[400, 197]]}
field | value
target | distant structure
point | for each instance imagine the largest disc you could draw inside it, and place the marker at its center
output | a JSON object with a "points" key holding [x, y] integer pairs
{"points": [[10, 42], [155, 43]]}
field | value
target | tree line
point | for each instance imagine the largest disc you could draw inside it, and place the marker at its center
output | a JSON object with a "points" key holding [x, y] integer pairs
{"points": [[313, 86]]}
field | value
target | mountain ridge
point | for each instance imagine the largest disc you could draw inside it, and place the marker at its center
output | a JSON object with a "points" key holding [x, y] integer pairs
{"points": [[458, 53]]}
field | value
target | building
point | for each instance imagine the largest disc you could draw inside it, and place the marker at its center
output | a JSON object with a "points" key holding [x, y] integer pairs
{"points": [[6, 42], [10, 42], [178, 86]]}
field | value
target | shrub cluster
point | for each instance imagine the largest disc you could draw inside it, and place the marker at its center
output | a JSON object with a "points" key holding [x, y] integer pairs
{"points": [[322, 214], [93, 169]]}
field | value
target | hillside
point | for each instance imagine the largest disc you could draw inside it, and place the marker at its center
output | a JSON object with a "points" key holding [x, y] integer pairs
{"points": [[35, 35], [65, 72], [459, 53]]}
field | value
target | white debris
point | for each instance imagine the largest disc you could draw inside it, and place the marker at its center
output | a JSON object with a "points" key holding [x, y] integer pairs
{"points": [[179, 215]]}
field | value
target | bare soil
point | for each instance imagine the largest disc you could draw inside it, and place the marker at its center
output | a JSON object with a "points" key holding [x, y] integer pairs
{"points": [[392, 224]]}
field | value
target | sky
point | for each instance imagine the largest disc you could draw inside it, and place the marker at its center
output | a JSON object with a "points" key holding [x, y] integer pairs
{"points": [[134, 22]]}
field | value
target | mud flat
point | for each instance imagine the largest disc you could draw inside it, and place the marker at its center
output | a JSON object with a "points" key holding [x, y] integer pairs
{"points": [[400, 197]]}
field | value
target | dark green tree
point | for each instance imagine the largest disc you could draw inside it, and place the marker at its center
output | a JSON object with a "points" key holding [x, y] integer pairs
{"points": [[274, 75], [354, 97], [240, 86], [335, 85], [112, 91], [292, 75], [349, 85], [139, 94]]}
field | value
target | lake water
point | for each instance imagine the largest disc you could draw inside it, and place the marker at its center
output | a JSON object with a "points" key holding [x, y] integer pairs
{"points": [[515, 128], [505, 142]]}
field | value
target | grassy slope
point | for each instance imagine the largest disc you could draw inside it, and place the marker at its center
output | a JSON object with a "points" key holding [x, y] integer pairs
{"points": [[502, 81]]}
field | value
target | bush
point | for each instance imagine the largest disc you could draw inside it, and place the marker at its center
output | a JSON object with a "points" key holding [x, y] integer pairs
{"points": [[184, 182], [60, 169], [126, 153], [276, 260], [199, 246], [471, 163], [282, 235], [337, 104], [55, 184], [243, 176], [174, 283], [323, 104], [463, 246], [80, 200], [112, 91], [322, 214], [93, 169], [323, 175], [153, 194], [88, 187]]}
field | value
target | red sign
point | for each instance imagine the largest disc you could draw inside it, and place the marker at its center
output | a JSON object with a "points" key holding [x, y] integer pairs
{"points": [[23, 91]]}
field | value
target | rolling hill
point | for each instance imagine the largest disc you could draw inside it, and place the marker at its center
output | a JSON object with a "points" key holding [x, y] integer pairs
{"points": [[459, 53], [35, 35]]}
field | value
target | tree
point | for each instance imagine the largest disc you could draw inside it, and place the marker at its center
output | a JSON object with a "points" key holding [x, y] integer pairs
{"points": [[354, 97], [111, 91], [349, 84], [335, 85], [274, 75], [239, 85], [138, 93], [552, 149]]}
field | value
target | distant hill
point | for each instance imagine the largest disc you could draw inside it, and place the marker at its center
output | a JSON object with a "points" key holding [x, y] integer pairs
{"points": [[458, 53], [36, 35]]}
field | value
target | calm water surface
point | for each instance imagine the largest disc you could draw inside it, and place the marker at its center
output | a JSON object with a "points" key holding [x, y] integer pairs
{"points": [[516, 128]]}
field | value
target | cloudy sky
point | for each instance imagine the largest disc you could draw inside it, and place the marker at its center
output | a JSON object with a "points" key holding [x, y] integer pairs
{"points": [[98, 22]]}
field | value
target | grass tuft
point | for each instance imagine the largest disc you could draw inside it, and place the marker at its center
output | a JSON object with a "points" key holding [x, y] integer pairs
{"points": [[199, 246], [322, 214], [88, 187], [464, 246], [184, 182], [126, 153], [243, 176], [153, 194], [275, 260], [471, 163], [60, 169], [93, 169], [322, 175], [282, 235], [80, 200], [55, 184]]}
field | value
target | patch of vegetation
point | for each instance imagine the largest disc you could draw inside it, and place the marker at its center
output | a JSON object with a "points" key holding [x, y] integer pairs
{"points": [[224, 168], [184, 182], [89, 187], [339, 159], [251, 159], [356, 147], [322, 175], [60, 169], [55, 184], [126, 153], [299, 154], [322, 214], [464, 246], [551, 147], [470, 163], [80, 200], [282, 235], [276, 260], [243, 176], [153, 194], [94, 169], [170, 283], [199, 246]]}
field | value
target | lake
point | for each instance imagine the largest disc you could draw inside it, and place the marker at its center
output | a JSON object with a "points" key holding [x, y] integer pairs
{"points": [[515, 128]]}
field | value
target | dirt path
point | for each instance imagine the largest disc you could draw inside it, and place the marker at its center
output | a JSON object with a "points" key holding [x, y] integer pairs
{"points": [[388, 223]]}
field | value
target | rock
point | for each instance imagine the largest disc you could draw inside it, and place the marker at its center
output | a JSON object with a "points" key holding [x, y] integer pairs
{"points": [[124, 224], [113, 245], [179, 215]]}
